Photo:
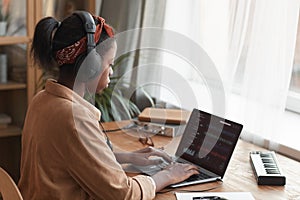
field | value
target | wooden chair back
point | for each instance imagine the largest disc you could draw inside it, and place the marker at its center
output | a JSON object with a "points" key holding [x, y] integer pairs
{"points": [[8, 188]]}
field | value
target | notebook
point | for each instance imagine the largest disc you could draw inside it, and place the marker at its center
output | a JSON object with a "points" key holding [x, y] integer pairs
{"points": [[208, 142], [166, 116]]}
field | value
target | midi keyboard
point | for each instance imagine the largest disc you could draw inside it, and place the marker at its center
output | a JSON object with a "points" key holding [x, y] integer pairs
{"points": [[266, 169]]}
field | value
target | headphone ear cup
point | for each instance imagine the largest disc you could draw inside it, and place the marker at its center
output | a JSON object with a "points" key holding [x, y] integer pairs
{"points": [[90, 66]]}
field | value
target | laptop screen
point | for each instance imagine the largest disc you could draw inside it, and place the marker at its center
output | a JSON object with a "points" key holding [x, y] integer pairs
{"points": [[208, 141]]}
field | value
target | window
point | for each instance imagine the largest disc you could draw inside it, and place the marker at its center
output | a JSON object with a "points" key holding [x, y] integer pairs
{"points": [[252, 46], [293, 100]]}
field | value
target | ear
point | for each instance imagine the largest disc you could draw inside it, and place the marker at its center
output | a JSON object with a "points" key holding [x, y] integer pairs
{"points": [[90, 67]]}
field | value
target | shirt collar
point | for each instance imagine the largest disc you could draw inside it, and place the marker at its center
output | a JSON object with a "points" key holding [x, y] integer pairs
{"points": [[56, 89]]}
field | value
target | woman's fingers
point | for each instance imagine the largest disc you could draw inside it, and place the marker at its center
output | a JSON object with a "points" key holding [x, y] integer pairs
{"points": [[155, 161], [154, 156], [185, 167], [188, 167], [162, 154], [144, 150]]}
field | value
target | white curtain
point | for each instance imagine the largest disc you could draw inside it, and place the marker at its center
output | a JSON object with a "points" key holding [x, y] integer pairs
{"points": [[131, 18], [16, 20], [267, 65], [153, 17], [203, 23], [252, 45]]}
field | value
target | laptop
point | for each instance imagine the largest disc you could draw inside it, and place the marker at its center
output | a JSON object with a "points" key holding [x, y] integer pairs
{"points": [[208, 141]]}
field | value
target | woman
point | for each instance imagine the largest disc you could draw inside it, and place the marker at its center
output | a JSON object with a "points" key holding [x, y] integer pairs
{"points": [[65, 154]]}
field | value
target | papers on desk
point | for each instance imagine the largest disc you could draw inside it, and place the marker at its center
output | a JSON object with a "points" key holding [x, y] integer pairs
{"points": [[211, 195]]}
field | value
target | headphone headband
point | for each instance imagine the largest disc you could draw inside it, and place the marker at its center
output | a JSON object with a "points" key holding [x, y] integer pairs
{"points": [[89, 27]]}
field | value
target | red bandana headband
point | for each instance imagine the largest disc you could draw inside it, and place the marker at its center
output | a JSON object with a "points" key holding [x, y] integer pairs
{"points": [[69, 54]]}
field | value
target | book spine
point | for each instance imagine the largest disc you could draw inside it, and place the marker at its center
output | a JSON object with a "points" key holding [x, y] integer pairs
{"points": [[3, 68]]}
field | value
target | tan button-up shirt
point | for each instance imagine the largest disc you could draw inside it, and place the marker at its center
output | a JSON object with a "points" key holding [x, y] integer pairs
{"points": [[65, 155]]}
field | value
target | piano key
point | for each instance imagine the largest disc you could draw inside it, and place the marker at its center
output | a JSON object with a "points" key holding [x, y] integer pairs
{"points": [[272, 171], [270, 166], [267, 160]]}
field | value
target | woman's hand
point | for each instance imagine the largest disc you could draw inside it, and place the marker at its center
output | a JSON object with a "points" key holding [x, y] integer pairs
{"points": [[174, 173], [144, 157]]}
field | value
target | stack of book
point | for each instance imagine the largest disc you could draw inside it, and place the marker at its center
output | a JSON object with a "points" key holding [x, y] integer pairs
{"points": [[4, 120], [17, 70], [169, 122], [3, 68], [18, 74]]}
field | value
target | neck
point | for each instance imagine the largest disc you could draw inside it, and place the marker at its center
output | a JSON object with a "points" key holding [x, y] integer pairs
{"points": [[77, 87]]}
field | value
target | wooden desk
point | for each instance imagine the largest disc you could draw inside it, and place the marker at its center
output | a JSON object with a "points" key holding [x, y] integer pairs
{"points": [[239, 176]]}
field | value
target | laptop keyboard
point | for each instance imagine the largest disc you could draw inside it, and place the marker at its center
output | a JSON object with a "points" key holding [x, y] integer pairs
{"points": [[193, 179], [152, 169], [196, 177]]}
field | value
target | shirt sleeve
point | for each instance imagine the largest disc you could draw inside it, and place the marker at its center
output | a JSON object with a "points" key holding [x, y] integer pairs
{"points": [[152, 181], [94, 167]]}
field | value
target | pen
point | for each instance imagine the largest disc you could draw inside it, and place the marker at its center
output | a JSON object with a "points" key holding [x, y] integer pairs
{"points": [[207, 198]]}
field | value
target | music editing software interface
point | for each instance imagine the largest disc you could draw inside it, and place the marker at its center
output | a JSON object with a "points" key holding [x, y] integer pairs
{"points": [[211, 141]]}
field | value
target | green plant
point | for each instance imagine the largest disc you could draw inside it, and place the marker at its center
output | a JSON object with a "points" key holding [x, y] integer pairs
{"points": [[4, 14], [117, 109]]}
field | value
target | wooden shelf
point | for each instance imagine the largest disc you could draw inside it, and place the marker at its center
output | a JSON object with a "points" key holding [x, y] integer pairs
{"points": [[9, 40], [11, 130], [15, 96], [10, 85]]}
